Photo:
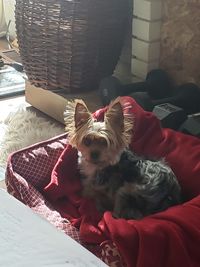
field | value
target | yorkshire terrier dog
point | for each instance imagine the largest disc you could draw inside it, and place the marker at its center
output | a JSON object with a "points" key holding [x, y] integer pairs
{"points": [[117, 180]]}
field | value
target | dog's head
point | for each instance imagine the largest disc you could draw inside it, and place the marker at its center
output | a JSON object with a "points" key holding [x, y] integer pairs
{"points": [[99, 143]]}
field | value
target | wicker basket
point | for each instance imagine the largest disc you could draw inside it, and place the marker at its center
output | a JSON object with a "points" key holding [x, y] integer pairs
{"points": [[70, 44]]}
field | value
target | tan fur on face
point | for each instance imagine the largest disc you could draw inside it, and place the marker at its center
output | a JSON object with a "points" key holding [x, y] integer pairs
{"points": [[77, 119], [116, 129]]}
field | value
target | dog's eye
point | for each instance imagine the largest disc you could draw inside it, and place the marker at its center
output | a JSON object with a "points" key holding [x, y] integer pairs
{"points": [[102, 142], [87, 141]]}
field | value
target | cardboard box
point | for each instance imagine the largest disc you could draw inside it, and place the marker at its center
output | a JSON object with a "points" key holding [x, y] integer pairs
{"points": [[29, 240], [54, 103]]}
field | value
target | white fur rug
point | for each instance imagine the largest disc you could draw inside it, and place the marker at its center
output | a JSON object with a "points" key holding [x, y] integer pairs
{"points": [[23, 128]]}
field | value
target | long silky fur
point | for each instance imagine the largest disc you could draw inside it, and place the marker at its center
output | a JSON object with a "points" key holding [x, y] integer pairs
{"points": [[69, 119], [75, 135], [128, 123]]}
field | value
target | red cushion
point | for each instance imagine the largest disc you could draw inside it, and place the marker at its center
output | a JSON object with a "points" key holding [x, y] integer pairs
{"points": [[169, 238]]}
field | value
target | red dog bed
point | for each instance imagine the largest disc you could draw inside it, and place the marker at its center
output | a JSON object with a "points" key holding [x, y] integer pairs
{"points": [[48, 171]]}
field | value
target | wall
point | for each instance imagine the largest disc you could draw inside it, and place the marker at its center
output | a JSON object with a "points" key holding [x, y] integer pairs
{"points": [[2, 20], [123, 69], [9, 12], [146, 27], [180, 40]]}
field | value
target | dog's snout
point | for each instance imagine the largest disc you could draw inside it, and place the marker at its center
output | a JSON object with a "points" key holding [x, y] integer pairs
{"points": [[95, 155]]}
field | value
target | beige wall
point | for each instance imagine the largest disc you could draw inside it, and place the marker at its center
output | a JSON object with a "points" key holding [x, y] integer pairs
{"points": [[180, 40], [2, 20]]}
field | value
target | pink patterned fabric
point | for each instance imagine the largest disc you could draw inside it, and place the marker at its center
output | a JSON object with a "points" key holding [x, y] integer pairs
{"points": [[28, 171]]}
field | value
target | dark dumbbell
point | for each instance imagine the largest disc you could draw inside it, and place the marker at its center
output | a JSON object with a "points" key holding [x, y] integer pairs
{"points": [[111, 87], [170, 116], [191, 125], [144, 100], [186, 96], [157, 85], [173, 117]]}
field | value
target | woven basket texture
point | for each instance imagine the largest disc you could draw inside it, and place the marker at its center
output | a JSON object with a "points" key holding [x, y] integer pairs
{"points": [[70, 44]]}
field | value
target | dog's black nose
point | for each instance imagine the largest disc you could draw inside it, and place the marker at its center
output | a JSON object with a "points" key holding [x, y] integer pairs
{"points": [[95, 155]]}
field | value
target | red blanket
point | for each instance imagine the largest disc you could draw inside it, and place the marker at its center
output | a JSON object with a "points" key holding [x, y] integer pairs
{"points": [[170, 238]]}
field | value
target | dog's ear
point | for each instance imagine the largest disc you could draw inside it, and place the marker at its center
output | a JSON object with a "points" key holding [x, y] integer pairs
{"points": [[114, 115], [82, 114]]}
